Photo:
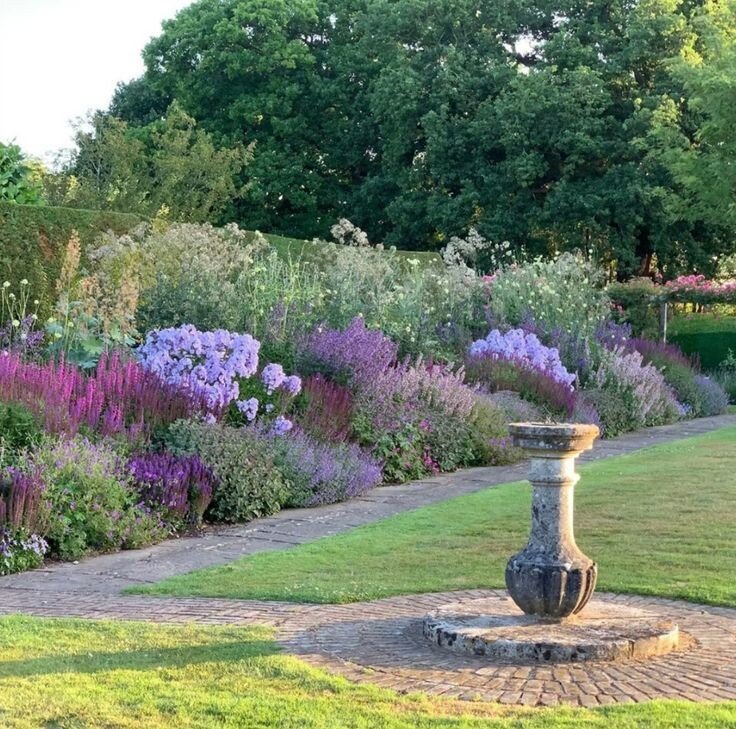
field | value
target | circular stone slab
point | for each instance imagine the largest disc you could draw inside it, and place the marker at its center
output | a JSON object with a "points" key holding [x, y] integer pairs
{"points": [[501, 633]]}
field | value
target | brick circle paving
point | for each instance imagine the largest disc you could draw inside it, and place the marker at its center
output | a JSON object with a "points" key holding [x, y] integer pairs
{"points": [[381, 643]]}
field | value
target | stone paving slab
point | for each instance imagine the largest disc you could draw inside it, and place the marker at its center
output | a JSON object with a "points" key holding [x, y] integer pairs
{"points": [[109, 574]]}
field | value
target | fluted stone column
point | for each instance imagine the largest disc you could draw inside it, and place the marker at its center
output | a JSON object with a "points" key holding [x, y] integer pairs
{"points": [[551, 577]]}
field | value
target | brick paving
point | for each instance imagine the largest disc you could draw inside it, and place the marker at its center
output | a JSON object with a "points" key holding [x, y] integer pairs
{"points": [[380, 642]]}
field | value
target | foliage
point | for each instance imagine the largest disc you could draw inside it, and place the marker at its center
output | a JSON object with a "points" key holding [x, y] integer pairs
{"points": [[19, 429], [704, 162], [24, 520], [326, 410], [320, 472], [713, 398], [249, 484], [191, 274], [552, 135], [725, 376], [417, 415], [635, 394], [92, 501], [509, 373], [514, 408], [18, 318], [561, 294], [18, 183], [488, 435], [707, 336], [678, 370], [119, 398], [23, 502], [428, 310], [178, 488], [279, 298], [173, 167]]}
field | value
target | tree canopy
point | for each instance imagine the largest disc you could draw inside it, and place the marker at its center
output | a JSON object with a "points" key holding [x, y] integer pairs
{"points": [[604, 125], [19, 177]]}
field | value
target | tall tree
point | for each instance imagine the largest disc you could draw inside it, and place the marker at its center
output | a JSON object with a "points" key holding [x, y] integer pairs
{"points": [[168, 165], [550, 123]]}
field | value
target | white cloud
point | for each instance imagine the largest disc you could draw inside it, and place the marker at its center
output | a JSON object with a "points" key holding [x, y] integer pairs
{"points": [[61, 58]]}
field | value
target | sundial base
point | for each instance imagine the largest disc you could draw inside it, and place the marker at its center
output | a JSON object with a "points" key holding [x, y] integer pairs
{"points": [[496, 630]]}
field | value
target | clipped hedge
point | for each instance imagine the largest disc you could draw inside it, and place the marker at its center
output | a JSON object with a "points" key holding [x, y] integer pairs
{"points": [[710, 336], [33, 239]]}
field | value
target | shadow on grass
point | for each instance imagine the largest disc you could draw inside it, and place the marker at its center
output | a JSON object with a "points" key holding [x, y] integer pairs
{"points": [[139, 660]]}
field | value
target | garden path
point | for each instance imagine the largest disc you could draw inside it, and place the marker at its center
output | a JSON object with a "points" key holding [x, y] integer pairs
{"points": [[109, 574]]}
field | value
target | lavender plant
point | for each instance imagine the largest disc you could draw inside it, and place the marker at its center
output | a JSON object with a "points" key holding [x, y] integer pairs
{"points": [[321, 472]]}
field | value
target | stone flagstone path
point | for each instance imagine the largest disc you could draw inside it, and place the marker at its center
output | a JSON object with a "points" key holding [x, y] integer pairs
{"points": [[380, 642]]}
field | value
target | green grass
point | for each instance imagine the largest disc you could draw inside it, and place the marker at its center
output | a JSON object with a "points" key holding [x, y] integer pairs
{"points": [[71, 674], [659, 522], [710, 336]]}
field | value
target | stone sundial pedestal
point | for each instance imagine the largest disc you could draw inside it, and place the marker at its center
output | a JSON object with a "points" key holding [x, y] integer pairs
{"points": [[551, 581], [551, 577]]}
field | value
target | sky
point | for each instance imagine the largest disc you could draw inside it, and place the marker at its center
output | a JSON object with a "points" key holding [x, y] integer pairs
{"points": [[60, 59]]}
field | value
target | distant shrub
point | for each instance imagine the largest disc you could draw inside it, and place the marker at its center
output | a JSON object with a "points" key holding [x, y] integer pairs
{"points": [[679, 371], [249, 484], [726, 375], [714, 399], [563, 294], [186, 273]]}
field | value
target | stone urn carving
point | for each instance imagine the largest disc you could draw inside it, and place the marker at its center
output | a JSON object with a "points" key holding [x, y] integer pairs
{"points": [[551, 578]]}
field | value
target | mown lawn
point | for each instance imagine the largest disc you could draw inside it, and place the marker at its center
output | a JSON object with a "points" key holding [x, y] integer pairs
{"points": [[73, 674], [659, 522]]}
